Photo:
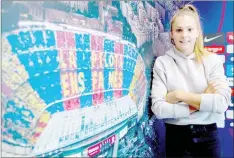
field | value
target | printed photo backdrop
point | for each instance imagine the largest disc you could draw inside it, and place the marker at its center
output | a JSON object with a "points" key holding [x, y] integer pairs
{"points": [[76, 77]]}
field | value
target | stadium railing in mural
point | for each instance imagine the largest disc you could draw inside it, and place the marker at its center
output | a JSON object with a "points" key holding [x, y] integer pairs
{"points": [[55, 77]]}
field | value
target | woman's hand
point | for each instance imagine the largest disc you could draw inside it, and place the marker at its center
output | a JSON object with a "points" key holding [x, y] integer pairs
{"points": [[172, 97], [192, 99]]}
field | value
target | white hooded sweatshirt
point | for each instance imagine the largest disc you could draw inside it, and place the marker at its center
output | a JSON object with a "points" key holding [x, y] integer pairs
{"points": [[175, 71]]}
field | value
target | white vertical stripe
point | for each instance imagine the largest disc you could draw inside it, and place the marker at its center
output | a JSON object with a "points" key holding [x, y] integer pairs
{"points": [[230, 48], [229, 114]]}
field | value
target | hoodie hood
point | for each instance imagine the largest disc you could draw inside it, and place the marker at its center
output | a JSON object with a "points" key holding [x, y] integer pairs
{"points": [[179, 56]]}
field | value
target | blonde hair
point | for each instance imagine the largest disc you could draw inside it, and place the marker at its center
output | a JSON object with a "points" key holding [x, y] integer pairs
{"points": [[199, 49]]}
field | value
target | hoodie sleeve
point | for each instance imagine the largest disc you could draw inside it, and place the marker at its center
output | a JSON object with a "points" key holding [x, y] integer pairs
{"points": [[219, 101], [160, 107]]}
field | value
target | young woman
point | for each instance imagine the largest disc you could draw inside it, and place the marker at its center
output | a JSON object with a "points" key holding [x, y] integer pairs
{"points": [[189, 90]]}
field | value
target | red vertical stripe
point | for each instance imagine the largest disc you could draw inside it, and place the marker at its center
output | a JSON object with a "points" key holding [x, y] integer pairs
{"points": [[222, 16]]}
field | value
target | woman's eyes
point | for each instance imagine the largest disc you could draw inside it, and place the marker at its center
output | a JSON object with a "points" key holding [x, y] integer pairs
{"points": [[180, 30], [190, 30]]}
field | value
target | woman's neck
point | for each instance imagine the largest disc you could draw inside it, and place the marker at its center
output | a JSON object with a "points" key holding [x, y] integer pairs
{"points": [[186, 53]]}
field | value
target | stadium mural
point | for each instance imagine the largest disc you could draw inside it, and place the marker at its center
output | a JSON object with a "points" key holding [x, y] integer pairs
{"points": [[76, 77]]}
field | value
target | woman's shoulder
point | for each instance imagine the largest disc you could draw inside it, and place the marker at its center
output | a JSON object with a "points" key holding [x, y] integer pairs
{"points": [[163, 59], [162, 62], [212, 58]]}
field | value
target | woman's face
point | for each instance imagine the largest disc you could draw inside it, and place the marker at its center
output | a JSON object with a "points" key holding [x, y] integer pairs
{"points": [[184, 33]]}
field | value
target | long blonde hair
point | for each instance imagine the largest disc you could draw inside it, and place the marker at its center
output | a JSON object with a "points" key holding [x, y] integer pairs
{"points": [[199, 49]]}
